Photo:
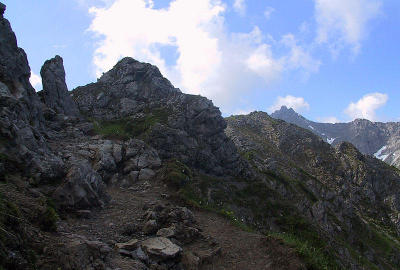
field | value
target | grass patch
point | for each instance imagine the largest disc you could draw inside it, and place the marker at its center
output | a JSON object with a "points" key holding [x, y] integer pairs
{"points": [[125, 128], [177, 174], [196, 197], [315, 258], [49, 218]]}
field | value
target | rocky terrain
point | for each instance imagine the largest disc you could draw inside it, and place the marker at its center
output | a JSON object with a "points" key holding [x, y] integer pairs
{"points": [[131, 173], [372, 138]]}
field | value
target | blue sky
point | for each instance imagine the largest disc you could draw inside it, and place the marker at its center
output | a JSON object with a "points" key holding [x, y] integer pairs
{"points": [[331, 60]]}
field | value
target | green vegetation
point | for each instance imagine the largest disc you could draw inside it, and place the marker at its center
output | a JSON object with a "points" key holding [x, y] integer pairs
{"points": [[315, 256], [123, 129], [176, 174], [307, 241], [49, 218], [370, 235], [117, 129], [13, 235]]}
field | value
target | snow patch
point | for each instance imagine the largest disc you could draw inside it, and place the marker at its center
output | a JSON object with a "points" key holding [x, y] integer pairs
{"points": [[330, 140], [379, 155]]}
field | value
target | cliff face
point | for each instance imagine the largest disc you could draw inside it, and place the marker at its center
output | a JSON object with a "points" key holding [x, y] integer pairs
{"points": [[120, 160], [371, 138]]}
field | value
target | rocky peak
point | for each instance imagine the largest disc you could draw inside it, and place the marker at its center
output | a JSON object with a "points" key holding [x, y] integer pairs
{"points": [[2, 9], [129, 70], [289, 115], [55, 93]]}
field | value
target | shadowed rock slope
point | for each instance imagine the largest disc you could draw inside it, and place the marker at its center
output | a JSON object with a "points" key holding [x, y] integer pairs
{"points": [[347, 200]]}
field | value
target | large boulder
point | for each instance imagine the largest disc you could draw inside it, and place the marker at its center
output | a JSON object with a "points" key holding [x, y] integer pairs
{"points": [[55, 93], [161, 249], [83, 188]]}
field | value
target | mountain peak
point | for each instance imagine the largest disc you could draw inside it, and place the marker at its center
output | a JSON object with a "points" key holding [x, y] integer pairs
{"points": [[287, 114]]}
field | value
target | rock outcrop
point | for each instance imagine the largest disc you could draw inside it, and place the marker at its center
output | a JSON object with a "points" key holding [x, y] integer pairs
{"points": [[22, 144], [55, 92], [187, 127]]}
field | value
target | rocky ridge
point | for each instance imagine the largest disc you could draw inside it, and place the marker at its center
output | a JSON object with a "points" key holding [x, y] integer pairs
{"points": [[371, 138]]}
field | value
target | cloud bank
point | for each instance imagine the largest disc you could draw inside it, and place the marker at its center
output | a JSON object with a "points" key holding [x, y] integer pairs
{"points": [[296, 103], [344, 22], [366, 107]]}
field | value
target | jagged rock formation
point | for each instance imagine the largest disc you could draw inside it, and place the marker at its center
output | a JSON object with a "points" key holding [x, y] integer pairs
{"points": [[55, 92], [371, 138], [21, 119], [187, 127]]}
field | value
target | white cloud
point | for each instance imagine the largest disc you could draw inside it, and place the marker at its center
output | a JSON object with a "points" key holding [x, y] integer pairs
{"points": [[240, 7], [329, 119], [299, 57], [344, 22], [263, 63], [36, 81], [210, 61], [365, 108], [296, 103], [268, 11]]}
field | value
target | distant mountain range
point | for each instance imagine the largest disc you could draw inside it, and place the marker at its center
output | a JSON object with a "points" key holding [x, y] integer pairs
{"points": [[372, 138]]}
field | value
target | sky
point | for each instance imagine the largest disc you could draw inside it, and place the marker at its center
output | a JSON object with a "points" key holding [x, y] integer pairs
{"points": [[330, 60]]}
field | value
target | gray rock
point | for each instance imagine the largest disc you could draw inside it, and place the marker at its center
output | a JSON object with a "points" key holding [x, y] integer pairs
{"points": [[133, 176], [167, 232], [83, 188], [150, 227], [146, 174], [130, 245], [160, 248], [139, 253], [55, 92]]}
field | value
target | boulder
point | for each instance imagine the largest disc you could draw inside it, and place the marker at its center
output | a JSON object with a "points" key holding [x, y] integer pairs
{"points": [[160, 248], [167, 232], [82, 188]]}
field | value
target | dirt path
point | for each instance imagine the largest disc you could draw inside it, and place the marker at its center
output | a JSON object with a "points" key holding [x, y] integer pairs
{"points": [[123, 218]]}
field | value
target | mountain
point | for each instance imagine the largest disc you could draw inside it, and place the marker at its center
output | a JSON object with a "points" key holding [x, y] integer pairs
{"points": [[131, 173], [371, 138]]}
